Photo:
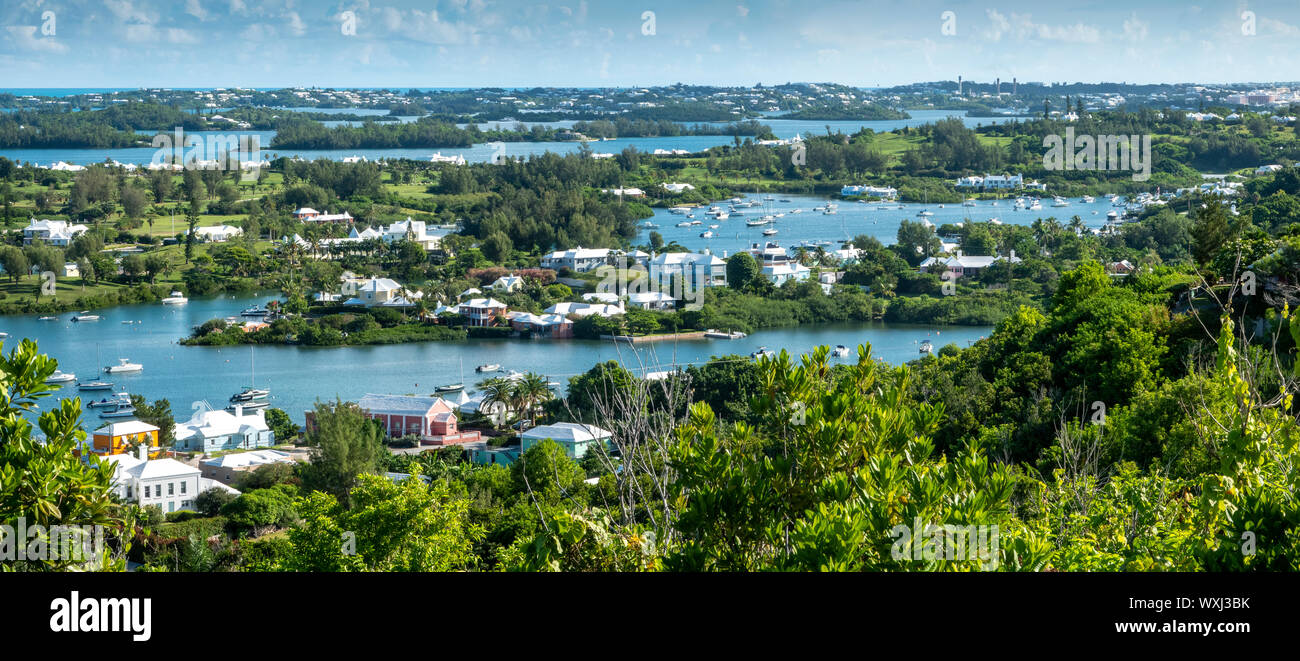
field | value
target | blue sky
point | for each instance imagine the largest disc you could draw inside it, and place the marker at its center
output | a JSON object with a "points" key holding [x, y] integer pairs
{"points": [[469, 43]]}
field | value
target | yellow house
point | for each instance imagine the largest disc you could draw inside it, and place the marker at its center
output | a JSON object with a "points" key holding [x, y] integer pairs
{"points": [[118, 438]]}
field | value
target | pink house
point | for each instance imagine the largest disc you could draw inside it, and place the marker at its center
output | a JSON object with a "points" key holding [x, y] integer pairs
{"points": [[432, 419]]}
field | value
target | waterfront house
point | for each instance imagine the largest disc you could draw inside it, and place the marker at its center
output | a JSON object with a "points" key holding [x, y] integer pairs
{"points": [[411, 230], [305, 213], [377, 291], [622, 192], [783, 272], [165, 483], [963, 265], [651, 300], [119, 437], [215, 431], [544, 325], [585, 309], [311, 215], [576, 439], [484, 454], [432, 419], [52, 232], [482, 311], [883, 192], [676, 188]]}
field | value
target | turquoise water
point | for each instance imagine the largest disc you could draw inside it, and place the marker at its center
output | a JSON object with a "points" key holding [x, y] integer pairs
{"points": [[298, 376], [850, 220]]}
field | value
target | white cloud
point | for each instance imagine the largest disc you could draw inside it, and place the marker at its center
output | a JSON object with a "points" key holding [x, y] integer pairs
{"points": [[1021, 27], [742, 11], [296, 26], [25, 40], [193, 8]]}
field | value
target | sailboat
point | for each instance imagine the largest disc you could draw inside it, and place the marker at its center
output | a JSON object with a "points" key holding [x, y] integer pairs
{"points": [[95, 385], [454, 387], [251, 396]]}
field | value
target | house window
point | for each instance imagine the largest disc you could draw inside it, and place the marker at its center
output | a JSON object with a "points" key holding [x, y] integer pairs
{"points": [[146, 491], [171, 488], [182, 488]]}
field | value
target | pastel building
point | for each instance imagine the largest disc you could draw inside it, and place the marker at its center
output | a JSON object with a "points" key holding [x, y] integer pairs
{"points": [[120, 437], [576, 439], [432, 419], [216, 431]]}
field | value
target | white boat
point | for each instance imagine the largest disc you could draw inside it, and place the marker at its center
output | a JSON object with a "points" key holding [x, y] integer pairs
{"points": [[707, 235], [254, 311], [1059, 201], [95, 385], [797, 211], [713, 227], [829, 212], [1036, 206], [1088, 199], [48, 319], [493, 367], [61, 377], [114, 402], [723, 335], [684, 224], [119, 410], [176, 298], [82, 316], [924, 214], [124, 366], [926, 347], [679, 210], [840, 351], [771, 231], [763, 352], [1112, 215], [650, 226], [254, 404], [756, 223], [970, 202]]}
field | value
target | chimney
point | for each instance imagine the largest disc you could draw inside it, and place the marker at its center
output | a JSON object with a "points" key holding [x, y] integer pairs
{"points": [[143, 451], [959, 252], [1013, 255]]}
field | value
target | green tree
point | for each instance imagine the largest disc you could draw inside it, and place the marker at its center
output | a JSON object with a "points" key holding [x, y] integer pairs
{"points": [[742, 269], [344, 445]]}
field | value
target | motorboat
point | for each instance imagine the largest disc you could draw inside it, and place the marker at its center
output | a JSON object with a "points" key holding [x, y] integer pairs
{"points": [[492, 367], [119, 410], [61, 377], [763, 352], [94, 385], [114, 402], [254, 311], [650, 226], [715, 334], [926, 348], [707, 235], [924, 214], [82, 316], [840, 351], [1059, 201], [970, 202], [797, 211], [124, 366], [771, 231], [176, 298], [1088, 199], [1036, 206], [244, 406], [1112, 215], [249, 395], [48, 319], [684, 224]]}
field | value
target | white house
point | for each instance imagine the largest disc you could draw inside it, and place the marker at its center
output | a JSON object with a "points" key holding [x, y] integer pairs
{"points": [[507, 283], [675, 188], [482, 311], [53, 232], [585, 309], [577, 259], [165, 483], [651, 300], [216, 233], [695, 270], [411, 230], [885, 192], [215, 431], [784, 272], [962, 265], [576, 439]]}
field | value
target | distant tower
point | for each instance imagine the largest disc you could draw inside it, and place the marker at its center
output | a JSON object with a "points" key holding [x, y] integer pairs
{"points": [[997, 86], [1013, 86], [958, 85]]}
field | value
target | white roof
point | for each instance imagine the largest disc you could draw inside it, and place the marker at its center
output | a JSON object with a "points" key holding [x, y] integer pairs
{"points": [[579, 253], [305, 210], [211, 424], [585, 309], [566, 432], [124, 428], [650, 297], [404, 404], [253, 458], [380, 285], [483, 303], [159, 468]]}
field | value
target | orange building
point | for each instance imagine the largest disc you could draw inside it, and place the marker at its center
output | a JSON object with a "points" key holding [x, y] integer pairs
{"points": [[118, 437]]}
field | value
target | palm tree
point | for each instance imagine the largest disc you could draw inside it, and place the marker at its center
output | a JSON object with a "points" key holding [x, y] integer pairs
{"points": [[498, 391], [530, 391]]}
